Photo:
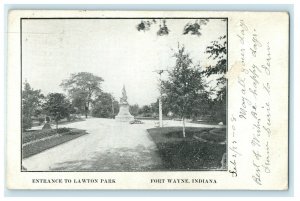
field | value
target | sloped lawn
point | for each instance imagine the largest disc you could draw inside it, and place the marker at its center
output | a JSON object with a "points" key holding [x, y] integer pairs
{"points": [[202, 149]]}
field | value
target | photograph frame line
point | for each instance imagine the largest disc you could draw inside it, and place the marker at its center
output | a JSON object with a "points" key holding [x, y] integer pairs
{"points": [[124, 18]]}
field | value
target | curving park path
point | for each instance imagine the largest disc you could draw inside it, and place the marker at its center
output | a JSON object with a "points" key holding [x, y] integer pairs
{"points": [[109, 146]]}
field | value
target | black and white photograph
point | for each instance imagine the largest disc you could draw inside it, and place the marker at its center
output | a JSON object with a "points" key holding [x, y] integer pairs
{"points": [[121, 94], [147, 100]]}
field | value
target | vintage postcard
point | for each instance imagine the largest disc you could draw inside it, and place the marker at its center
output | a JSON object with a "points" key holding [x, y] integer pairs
{"points": [[147, 100]]}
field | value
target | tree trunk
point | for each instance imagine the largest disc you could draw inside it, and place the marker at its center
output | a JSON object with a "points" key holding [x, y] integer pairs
{"points": [[56, 126], [183, 127]]}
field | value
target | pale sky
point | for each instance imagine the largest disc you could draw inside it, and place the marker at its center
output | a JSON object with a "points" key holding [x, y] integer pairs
{"points": [[110, 48]]}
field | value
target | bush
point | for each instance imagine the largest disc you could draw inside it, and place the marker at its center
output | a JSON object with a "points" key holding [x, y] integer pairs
{"points": [[63, 130], [41, 120], [101, 112], [26, 122]]}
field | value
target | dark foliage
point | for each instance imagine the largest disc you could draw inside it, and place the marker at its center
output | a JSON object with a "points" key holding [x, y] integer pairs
{"points": [[185, 87], [145, 25], [134, 109], [36, 135], [82, 87], [41, 145], [57, 106], [217, 51], [188, 153], [163, 29], [189, 28], [31, 105], [194, 28], [105, 106], [63, 130]]}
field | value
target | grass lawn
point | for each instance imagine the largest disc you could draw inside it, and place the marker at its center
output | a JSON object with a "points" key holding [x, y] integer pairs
{"points": [[32, 135], [45, 139], [206, 122], [65, 121], [61, 122], [203, 148]]}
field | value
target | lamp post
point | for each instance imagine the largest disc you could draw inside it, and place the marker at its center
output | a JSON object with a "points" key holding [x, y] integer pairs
{"points": [[160, 98]]}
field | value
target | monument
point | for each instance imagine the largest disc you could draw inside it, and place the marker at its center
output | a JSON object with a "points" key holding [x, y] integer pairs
{"points": [[124, 114]]}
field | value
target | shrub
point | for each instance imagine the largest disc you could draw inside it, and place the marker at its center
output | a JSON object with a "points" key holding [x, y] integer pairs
{"points": [[26, 122], [41, 120], [63, 130]]}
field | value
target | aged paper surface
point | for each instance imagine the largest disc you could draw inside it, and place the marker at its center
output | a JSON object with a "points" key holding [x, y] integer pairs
{"points": [[65, 132]]}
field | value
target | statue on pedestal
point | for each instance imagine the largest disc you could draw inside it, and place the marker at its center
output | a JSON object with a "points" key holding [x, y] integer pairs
{"points": [[124, 114], [123, 99]]}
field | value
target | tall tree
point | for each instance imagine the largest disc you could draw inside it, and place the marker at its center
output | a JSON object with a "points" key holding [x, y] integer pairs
{"points": [[82, 87], [57, 106], [217, 51], [31, 103], [105, 106], [78, 99], [185, 86]]}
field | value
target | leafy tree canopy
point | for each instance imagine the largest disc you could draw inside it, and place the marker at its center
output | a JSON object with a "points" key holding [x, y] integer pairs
{"points": [[57, 106], [82, 87], [105, 106], [185, 88], [218, 52], [193, 28], [31, 104]]}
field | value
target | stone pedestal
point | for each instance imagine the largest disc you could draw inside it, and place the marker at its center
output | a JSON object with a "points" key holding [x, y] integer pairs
{"points": [[124, 114]]}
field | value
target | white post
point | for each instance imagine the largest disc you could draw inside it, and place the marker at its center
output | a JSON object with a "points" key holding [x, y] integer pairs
{"points": [[112, 106], [160, 99], [160, 112], [160, 102]]}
